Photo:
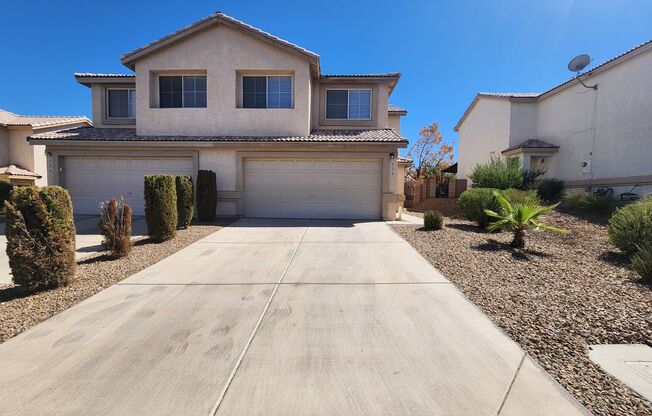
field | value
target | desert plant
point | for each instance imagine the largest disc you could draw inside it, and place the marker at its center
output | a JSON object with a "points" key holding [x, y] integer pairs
{"points": [[531, 177], [5, 190], [40, 237], [642, 262], [206, 195], [595, 204], [473, 203], [550, 189], [433, 220], [185, 200], [630, 227], [160, 207], [115, 227], [519, 218], [517, 196], [498, 173]]}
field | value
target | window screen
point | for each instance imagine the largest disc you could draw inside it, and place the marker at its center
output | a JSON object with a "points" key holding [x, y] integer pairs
{"points": [[267, 92], [337, 105], [348, 104], [182, 91], [121, 103]]}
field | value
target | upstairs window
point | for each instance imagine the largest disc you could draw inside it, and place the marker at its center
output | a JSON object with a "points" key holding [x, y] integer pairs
{"points": [[348, 104], [182, 91], [267, 92], [121, 103]]}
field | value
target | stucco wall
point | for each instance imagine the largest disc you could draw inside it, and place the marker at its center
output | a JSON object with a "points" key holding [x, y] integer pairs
{"points": [[98, 100], [522, 123], [220, 52], [4, 147], [20, 151], [484, 132], [394, 122]]}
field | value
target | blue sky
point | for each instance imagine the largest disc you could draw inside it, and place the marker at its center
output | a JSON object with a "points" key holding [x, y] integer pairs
{"points": [[445, 50]]}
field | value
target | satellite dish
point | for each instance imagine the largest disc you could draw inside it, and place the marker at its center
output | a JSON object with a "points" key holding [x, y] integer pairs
{"points": [[579, 63]]}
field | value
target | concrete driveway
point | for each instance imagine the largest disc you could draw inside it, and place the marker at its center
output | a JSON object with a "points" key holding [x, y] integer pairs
{"points": [[89, 240], [278, 317]]}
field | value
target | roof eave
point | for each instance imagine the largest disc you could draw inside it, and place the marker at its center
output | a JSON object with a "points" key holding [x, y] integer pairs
{"points": [[88, 81], [510, 152]]}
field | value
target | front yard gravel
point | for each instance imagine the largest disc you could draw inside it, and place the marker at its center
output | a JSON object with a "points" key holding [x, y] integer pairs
{"points": [[557, 297], [19, 312]]}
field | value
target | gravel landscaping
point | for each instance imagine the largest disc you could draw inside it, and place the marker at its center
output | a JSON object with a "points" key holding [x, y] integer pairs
{"points": [[19, 311], [561, 294]]}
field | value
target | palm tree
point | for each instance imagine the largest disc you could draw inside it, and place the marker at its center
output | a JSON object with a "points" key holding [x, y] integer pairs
{"points": [[520, 217]]}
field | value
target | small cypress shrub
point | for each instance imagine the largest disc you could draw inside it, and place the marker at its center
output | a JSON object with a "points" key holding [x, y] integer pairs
{"points": [[433, 220], [160, 207], [185, 201], [40, 237], [517, 196], [630, 227], [5, 190], [473, 203], [550, 189], [642, 262], [498, 173], [115, 226], [206, 195]]}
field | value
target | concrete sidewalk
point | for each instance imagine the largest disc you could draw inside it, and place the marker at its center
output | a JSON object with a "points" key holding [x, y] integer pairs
{"points": [[278, 317]]}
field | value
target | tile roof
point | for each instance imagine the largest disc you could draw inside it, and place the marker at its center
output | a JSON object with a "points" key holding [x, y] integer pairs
{"points": [[121, 134], [404, 159], [532, 144], [381, 75], [96, 75], [391, 108], [13, 170], [11, 119], [509, 94]]}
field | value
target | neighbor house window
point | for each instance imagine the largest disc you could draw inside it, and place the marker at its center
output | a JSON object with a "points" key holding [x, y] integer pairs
{"points": [[267, 92], [121, 103], [182, 91], [348, 104]]}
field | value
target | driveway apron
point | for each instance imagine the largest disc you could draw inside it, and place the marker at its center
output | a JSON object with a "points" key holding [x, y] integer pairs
{"points": [[278, 317]]}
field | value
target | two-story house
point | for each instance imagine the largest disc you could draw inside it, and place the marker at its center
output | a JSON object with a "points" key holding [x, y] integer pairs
{"points": [[284, 139]]}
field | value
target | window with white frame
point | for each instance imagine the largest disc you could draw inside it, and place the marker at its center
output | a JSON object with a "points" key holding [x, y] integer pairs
{"points": [[354, 104], [182, 91], [267, 91], [121, 103]]}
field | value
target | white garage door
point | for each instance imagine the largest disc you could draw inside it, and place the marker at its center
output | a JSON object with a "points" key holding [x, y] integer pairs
{"points": [[91, 180], [313, 188]]}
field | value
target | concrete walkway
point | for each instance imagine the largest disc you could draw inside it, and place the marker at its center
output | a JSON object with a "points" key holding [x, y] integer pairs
{"points": [[278, 317]]}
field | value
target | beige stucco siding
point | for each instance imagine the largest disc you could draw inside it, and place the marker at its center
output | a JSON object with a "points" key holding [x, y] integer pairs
{"points": [[99, 101], [394, 122], [4, 147], [219, 52]]}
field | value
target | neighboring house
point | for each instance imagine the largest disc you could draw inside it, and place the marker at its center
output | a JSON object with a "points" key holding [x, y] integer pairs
{"points": [[284, 139], [587, 137], [20, 163]]}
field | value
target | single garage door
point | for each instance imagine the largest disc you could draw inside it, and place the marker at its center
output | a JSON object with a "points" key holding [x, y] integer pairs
{"points": [[313, 188], [91, 180]]}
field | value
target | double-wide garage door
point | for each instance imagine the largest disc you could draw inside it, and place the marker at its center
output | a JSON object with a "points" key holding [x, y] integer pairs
{"points": [[91, 180], [313, 188]]}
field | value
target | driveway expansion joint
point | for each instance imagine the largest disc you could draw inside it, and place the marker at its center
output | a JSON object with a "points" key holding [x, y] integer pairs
{"points": [[511, 384]]}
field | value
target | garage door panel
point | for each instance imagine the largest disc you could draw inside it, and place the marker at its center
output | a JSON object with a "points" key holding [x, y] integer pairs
{"points": [[313, 188]]}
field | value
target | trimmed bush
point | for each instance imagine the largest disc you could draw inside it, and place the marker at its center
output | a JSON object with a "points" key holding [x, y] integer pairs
{"points": [[473, 203], [40, 237], [115, 226], [516, 196], [160, 207], [498, 173], [531, 177], [185, 201], [206, 195], [5, 190], [595, 204], [642, 262], [433, 220], [630, 227], [550, 189]]}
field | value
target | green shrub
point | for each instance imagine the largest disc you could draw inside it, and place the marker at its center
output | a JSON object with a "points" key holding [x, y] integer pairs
{"points": [[206, 195], [642, 262], [5, 190], [185, 200], [550, 189], [498, 173], [160, 207], [531, 177], [433, 220], [517, 196], [115, 227], [40, 237], [630, 227], [595, 204], [473, 203]]}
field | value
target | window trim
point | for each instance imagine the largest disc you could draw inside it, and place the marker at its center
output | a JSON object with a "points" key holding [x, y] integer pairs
{"points": [[291, 107], [183, 98], [348, 90], [107, 104]]}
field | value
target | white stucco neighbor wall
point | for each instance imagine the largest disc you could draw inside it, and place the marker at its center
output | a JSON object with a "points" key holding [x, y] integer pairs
{"points": [[484, 132], [219, 52]]}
